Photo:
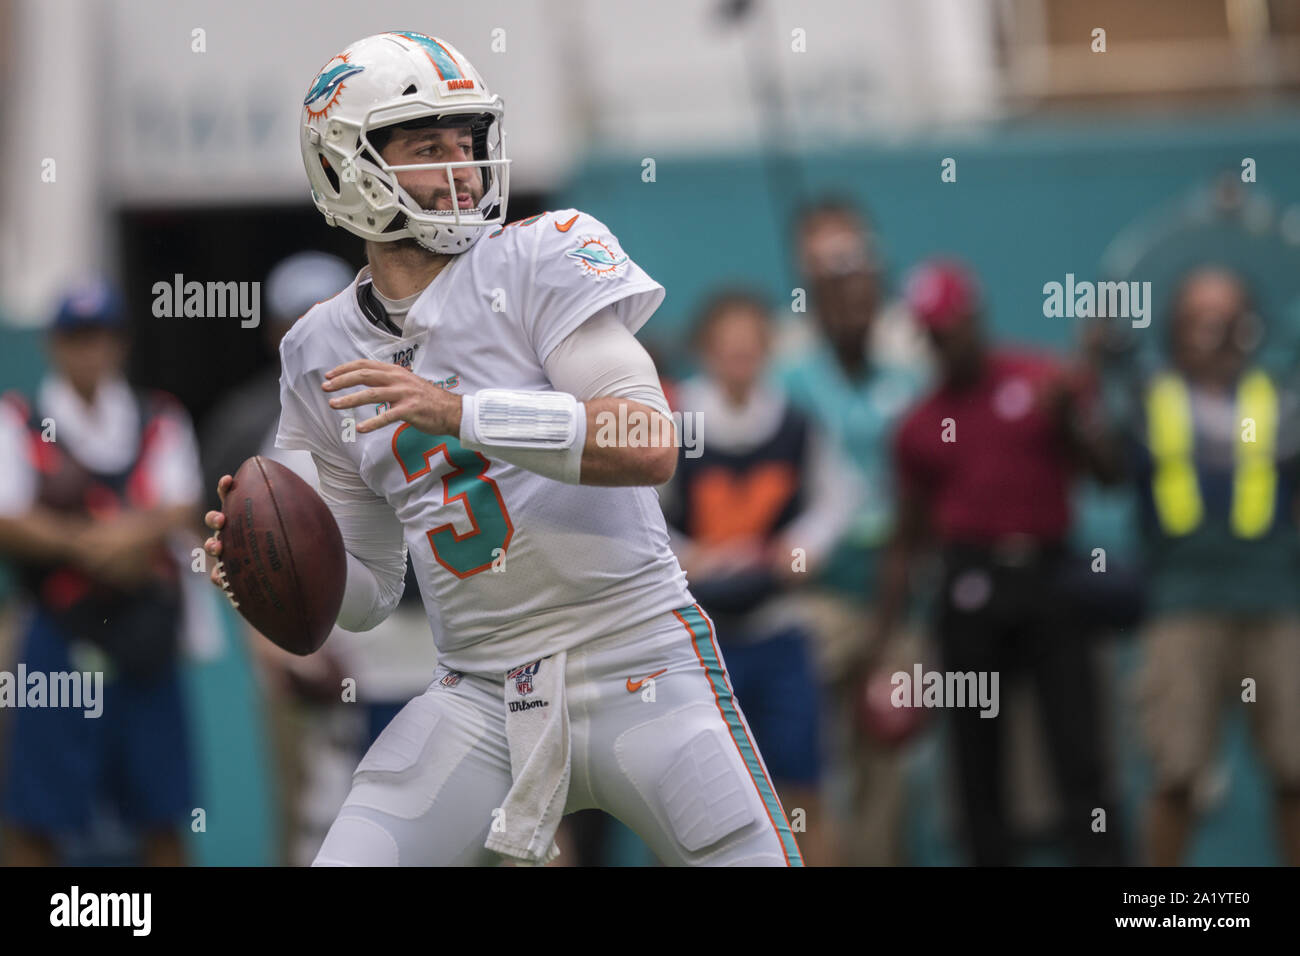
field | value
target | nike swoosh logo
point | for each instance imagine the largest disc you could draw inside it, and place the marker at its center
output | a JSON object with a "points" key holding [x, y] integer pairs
{"points": [[566, 226], [633, 687]]}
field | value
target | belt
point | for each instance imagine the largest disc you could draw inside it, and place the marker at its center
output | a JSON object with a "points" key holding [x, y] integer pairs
{"points": [[1009, 551]]}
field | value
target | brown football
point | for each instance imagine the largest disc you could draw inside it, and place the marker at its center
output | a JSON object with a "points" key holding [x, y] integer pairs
{"points": [[282, 556]]}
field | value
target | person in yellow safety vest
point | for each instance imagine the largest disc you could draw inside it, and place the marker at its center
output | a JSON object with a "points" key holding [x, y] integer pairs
{"points": [[1217, 451]]}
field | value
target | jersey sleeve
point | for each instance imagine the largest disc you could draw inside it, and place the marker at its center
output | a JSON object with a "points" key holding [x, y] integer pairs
{"points": [[579, 268], [373, 538], [601, 357], [305, 422], [372, 534]]}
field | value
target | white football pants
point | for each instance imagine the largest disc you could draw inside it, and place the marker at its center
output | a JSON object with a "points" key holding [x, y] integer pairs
{"points": [[658, 741]]}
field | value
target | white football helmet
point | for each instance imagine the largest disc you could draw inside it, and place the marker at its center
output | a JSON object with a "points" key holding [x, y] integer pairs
{"points": [[392, 79]]}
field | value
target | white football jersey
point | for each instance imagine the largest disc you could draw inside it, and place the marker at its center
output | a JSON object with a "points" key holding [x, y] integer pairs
{"points": [[512, 566]]}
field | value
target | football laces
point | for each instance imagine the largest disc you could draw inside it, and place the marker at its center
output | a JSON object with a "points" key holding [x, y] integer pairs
{"points": [[225, 583]]}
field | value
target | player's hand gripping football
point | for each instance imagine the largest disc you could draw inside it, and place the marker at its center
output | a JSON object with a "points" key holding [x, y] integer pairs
{"points": [[216, 520], [409, 398]]}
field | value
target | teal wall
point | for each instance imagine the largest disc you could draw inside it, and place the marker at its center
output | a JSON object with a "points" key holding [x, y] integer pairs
{"points": [[1031, 203], [234, 755]]}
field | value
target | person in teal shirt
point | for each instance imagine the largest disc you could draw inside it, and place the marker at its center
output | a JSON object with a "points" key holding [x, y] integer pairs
{"points": [[859, 410], [860, 367], [863, 368]]}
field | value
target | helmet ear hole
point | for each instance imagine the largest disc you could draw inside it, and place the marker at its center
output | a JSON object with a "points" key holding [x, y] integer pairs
{"points": [[330, 175]]}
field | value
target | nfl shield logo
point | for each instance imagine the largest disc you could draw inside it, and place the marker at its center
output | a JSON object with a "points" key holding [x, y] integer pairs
{"points": [[451, 679], [523, 677]]}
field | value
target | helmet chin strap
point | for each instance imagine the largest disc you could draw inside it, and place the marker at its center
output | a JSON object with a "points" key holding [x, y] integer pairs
{"points": [[455, 232], [472, 231]]}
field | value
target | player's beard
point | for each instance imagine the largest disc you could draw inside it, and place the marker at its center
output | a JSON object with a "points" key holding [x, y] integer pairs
{"points": [[427, 200]]}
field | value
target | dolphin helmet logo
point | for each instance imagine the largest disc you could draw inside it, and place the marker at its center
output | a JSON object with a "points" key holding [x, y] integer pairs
{"points": [[328, 85]]}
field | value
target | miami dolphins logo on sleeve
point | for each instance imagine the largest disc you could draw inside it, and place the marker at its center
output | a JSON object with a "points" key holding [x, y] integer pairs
{"points": [[328, 85], [596, 258]]}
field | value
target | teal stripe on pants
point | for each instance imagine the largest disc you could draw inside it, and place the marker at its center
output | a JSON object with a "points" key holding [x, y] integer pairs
{"points": [[701, 636]]}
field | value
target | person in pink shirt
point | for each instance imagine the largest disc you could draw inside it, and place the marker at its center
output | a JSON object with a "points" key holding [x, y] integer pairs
{"points": [[985, 465]]}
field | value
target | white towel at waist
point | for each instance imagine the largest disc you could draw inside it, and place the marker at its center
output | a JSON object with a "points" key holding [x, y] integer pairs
{"points": [[537, 731]]}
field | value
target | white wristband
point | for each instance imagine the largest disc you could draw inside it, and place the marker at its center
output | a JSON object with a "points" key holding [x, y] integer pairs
{"points": [[543, 432], [519, 419]]}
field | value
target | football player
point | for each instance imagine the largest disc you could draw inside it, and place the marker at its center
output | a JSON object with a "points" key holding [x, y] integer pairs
{"points": [[478, 396]]}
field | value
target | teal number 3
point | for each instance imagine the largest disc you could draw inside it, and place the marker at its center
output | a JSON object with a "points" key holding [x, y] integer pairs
{"points": [[467, 482]]}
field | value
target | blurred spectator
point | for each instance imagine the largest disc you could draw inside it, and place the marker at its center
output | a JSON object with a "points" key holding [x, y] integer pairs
{"points": [[856, 396], [843, 266], [758, 511], [96, 477], [985, 464], [1215, 448]]}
